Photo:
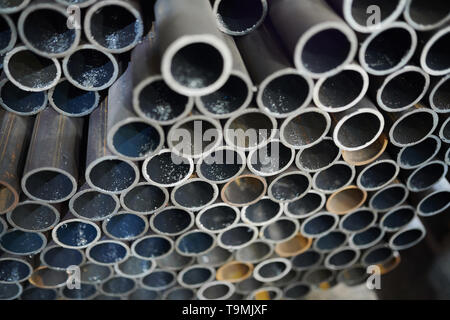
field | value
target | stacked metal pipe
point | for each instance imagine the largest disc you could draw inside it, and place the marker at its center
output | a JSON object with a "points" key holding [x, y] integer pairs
{"points": [[242, 150]]}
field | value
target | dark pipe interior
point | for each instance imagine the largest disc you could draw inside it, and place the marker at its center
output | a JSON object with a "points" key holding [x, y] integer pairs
{"points": [[298, 291], [10, 4], [435, 203], [118, 285], [439, 53], [171, 221], [359, 130], [35, 293], [21, 101], [195, 242], [73, 100], [378, 175], [319, 224], [221, 165], [403, 90], [318, 276], [280, 230], [427, 176], [158, 279], [76, 233], [388, 198], [62, 258], [33, 216], [218, 218], [413, 128], [85, 291], [108, 252], [305, 129], [174, 261], [196, 276], [289, 187], [425, 12], [407, 237], [194, 194], [181, 294], [342, 89], [216, 291], [272, 269], [254, 252], [21, 242], [49, 185], [13, 270], [342, 258], [262, 211], [307, 204], [94, 273], [237, 236], [378, 256], [134, 266], [306, 259], [94, 205], [441, 97], [244, 190], [319, 156], [240, 16], [9, 290], [367, 236], [112, 175], [248, 285], [271, 158], [250, 129], [125, 226], [334, 177], [167, 168], [153, 247], [358, 220], [419, 153], [360, 14], [331, 241], [136, 139], [145, 198], [398, 218], [216, 256]]}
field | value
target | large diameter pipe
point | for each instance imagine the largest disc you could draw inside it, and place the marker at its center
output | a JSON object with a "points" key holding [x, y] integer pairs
{"points": [[21, 102], [318, 40], [44, 29], [346, 200], [248, 285], [22, 243], [195, 59], [321, 278], [266, 293], [383, 257], [34, 216], [424, 16], [114, 26], [145, 198], [439, 98], [195, 194], [15, 132], [318, 157], [52, 176], [434, 59], [93, 205], [368, 154], [8, 7]]}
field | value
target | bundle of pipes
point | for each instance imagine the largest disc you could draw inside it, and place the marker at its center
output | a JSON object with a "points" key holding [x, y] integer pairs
{"points": [[269, 149]]}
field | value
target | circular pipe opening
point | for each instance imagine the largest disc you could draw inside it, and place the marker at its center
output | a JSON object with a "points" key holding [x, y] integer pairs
{"points": [[378, 175], [377, 255], [342, 258], [46, 278], [115, 26], [59, 258], [237, 237], [434, 59], [195, 194], [244, 190], [294, 246], [12, 6], [13, 270], [330, 241], [94, 273], [152, 247], [248, 285], [320, 277], [353, 276], [159, 280], [306, 206], [440, 97], [318, 157], [172, 221], [358, 220], [270, 159], [76, 234], [434, 203], [306, 260], [33, 216], [272, 270], [366, 155], [10, 291], [426, 176], [221, 165], [216, 257], [195, 276], [125, 226], [406, 239], [195, 243], [21, 102], [395, 219], [389, 197], [217, 218], [108, 252], [444, 132], [216, 290], [118, 286], [145, 199], [289, 187], [319, 224], [35, 294], [134, 267], [234, 271], [174, 261], [336, 177], [144, 294], [297, 291], [346, 200], [281, 230], [8, 34], [416, 155], [85, 292], [413, 127], [367, 238], [423, 15], [179, 293], [238, 18], [22, 243], [93, 205], [263, 212], [254, 252]]}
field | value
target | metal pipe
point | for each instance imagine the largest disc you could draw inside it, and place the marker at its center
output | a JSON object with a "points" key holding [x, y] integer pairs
{"points": [[318, 157], [90, 69], [334, 178], [14, 269], [319, 224], [357, 15], [444, 132], [414, 156], [296, 291], [255, 252], [85, 292], [378, 174], [397, 218], [353, 276], [79, 3], [172, 221], [195, 276], [3, 226], [8, 34], [346, 200], [293, 246], [330, 241], [389, 197], [368, 154], [389, 49], [216, 257], [366, 239], [319, 41], [358, 220], [114, 26], [21, 243], [263, 212], [342, 91], [167, 169], [426, 176], [321, 278], [9, 7], [145, 199], [195, 243], [134, 267], [290, 186], [306, 206], [35, 294], [195, 194], [152, 247], [401, 89], [216, 290], [29, 71], [159, 280], [144, 294], [93, 273], [52, 176], [179, 293], [425, 16], [10, 291], [281, 230], [433, 58], [271, 158], [118, 286], [266, 293], [72, 101], [175, 261], [221, 164], [106, 172], [248, 285], [434, 200], [125, 226], [20, 102], [307, 260], [15, 132], [238, 236], [217, 217], [75, 233], [195, 59], [108, 252], [244, 190], [44, 29], [59, 258], [93, 205], [342, 258], [380, 255], [46, 278], [234, 271], [290, 277], [439, 98]]}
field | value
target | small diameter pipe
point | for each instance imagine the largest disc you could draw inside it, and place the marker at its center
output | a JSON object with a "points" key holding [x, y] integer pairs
{"points": [[15, 132], [444, 131], [263, 212], [10, 291], [358, 13], [358, 127], [434, 200], [414, 156], [342, 258], [179, 293], [346, 200], [244, 190], [427, 175], [266, 293], [167, 169], [152, 98], [235, 95], [307, 260], [135, 267], [46, 278], [74, 233], [36, 294], [319, 41], [43, 27], [318, 157], [389, 197], [272, 269], [175, 261], [195, 243], [289, 186], [93, 273], [234, 271], [287, 279], [144, 294], [159, 280], [305, 129], [72, 101], [255, 252], [330, 241], [79, 3], [353, 276], [21, 243], [21, 102], [221, 165], [270, 159], [249, 129], [216, 290], [8, 36], [397, 218], [8, 7], [334, 178], [125, 226], [294, 246], [378, 174], [90, 69], [321, 278], [368, 154], [172, 221], [85, 292], [238, 236], [93, 205], [114, 26], [439, 98], [217, 218], [401, 89], [424, 16], [3, 226], [281, 230], [389, 49], [108, 252], [381, 256], [366, 239], [319, 224], [195, 276], [118, 286], [358, 220], [342, 91], [59, 258], [433, 58], [145, 199], [51, 169], [14, 269], [29, 71], [306, 206], [195, 194], [195, 59], [106, 172], [216, 257], [152, 247], [296, 291]]}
